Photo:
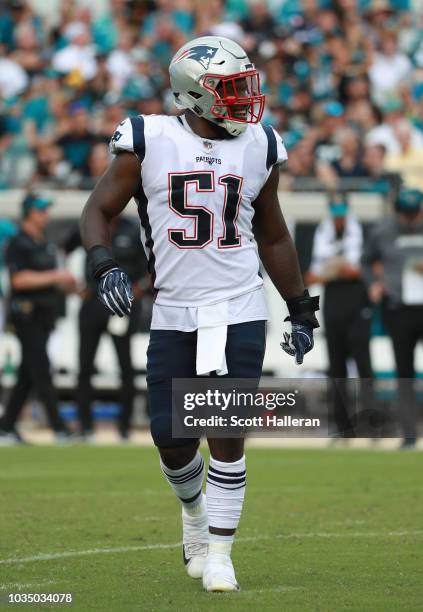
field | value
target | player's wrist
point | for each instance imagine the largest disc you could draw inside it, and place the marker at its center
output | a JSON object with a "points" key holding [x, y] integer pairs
{"points": [[100, 261], [302, 308]]}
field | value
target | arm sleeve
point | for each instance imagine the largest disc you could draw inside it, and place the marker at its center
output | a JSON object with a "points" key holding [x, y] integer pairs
{"points": [[129, 137]]}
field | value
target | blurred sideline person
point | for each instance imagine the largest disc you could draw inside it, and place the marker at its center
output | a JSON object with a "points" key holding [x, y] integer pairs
{"points": [[393, 267], [35, 285], [337, 249], [94, 320], [8, 229], [206, 185]]}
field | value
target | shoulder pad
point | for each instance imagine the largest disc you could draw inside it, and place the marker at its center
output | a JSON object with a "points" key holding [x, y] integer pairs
{"points": [[129, 136], [276, 152]]}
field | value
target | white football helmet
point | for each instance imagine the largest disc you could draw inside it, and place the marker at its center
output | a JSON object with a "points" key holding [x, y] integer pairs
{"points": [[213, 77]]}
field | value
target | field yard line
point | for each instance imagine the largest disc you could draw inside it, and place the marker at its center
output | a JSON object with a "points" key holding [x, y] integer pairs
{"points": [[352, 534], [122, 549]]}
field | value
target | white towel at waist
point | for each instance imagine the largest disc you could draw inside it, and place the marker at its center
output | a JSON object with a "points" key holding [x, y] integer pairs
{"points": [[211, 339]]}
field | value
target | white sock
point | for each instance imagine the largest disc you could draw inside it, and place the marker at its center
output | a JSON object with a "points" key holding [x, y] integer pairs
{"points": [[225, 496], [187, 482]]}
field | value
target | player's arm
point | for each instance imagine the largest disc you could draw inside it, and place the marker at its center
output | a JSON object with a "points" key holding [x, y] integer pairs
{"points": [[276, 247], [110, 196], [279, 257]]}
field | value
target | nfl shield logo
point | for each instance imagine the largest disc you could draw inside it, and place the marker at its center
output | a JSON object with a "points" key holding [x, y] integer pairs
{"points": [[207, 145]]}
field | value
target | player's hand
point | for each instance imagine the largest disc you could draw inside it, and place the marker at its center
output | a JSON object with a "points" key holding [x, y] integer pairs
{"points": [[299, 342], [115, 292]]}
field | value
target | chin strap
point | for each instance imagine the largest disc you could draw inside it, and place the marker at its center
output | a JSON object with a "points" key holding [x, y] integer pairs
{"points": [[301, 309]]}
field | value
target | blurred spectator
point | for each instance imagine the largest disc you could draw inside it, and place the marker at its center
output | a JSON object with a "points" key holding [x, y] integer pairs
{"points": [[409, 160], [78, 140], [258, 24], [389, 68], [120, 63], [393, 269], [98, 161], [106, 27], [78, 58], [377, 179], [329, 119], [337, 249], [347, 164], [301, 166], [13, 78], [384, 134], [324, 66], [111, 115], [145, 81]]}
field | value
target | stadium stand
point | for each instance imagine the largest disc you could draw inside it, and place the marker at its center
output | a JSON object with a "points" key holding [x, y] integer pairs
{"points": [[344, 86]]}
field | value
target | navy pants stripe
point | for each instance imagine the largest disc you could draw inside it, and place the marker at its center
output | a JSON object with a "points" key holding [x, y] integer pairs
{"points": [[172, 354]]}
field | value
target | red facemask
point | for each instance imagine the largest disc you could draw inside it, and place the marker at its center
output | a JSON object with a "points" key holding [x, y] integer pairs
{"points": [[236, 97]]}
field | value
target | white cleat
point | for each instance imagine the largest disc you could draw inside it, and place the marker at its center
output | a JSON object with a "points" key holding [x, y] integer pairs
{"points": [[219, 574], [195, 540]]}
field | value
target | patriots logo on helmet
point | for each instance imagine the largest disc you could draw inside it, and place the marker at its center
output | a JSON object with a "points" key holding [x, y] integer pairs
{"points": [[202, 54]]}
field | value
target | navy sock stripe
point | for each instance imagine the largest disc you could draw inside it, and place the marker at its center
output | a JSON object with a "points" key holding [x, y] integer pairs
{"points": [[224, 480], [221, 473], [188, 500], [189, 473], [164, 468], [184, 477], [187, 479], [226, 488]]}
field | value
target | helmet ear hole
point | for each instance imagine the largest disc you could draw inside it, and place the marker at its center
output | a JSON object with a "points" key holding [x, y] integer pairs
{"points": [[195, 94]]}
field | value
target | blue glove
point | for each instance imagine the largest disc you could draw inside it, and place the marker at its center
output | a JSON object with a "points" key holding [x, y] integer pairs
{"points": [[299, 342], [115, 292]]}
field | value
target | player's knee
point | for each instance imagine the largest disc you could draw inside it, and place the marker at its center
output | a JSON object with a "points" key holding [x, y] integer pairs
{"points": [[161, 432], [177, 457]]}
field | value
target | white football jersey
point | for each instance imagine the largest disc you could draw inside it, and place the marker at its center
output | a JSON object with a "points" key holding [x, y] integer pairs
{"points": [[195, 205]]}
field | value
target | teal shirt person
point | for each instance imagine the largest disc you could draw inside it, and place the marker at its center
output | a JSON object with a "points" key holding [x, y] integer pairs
{"points": [[8, 229]]}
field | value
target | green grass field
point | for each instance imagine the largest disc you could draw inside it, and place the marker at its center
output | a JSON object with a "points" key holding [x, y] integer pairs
{"points": [[326, 530]]}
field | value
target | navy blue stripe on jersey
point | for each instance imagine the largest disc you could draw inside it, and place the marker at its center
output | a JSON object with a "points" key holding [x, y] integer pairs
{"points": [[272, 147], [180, 120], [142, 204], [138, 136]]}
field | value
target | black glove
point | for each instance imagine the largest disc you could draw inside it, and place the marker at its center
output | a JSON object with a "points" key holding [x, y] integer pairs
{"points": [[113, 285], [115, 292], [303, 320], [299, 343]]}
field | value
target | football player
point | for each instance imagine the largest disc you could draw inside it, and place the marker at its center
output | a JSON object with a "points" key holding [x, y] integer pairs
{"points": [[205, 183]]}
